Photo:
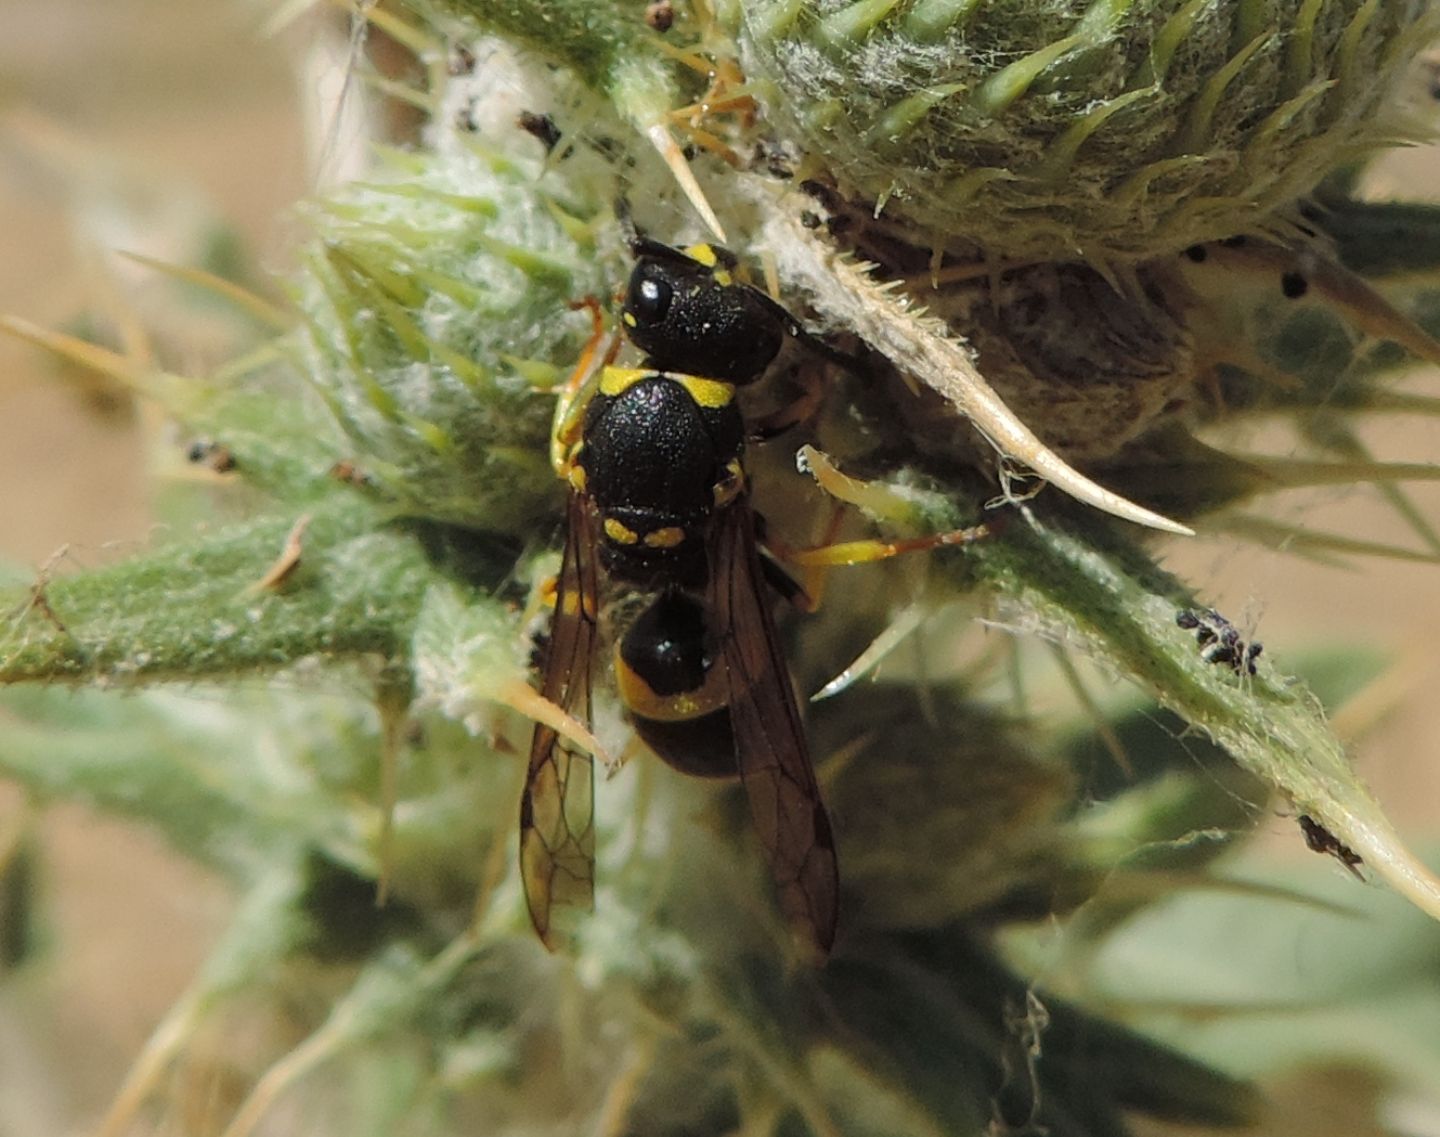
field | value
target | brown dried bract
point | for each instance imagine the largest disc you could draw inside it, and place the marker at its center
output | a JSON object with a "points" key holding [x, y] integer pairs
{"points": [[288, 560]]}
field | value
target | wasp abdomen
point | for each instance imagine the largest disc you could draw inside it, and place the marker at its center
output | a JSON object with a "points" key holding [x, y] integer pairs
{"points": [[698, 748], [668, 676]]}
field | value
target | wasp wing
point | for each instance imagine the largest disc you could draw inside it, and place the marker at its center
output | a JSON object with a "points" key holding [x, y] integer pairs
{"points": [[770, 745], [557, 809]]}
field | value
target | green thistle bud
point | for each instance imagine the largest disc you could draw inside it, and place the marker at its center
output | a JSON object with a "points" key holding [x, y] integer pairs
{"points": [[438, 299], [1121, 132]]}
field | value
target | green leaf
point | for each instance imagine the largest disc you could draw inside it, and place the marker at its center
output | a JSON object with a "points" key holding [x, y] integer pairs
{"points": [[196, 608], [1255, 986], [1087, 586]]}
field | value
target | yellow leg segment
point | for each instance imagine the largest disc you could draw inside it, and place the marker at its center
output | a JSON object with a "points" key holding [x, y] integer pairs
{"points": [[600, 351]]}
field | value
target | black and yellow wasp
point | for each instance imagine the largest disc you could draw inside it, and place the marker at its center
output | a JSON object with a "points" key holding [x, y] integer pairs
{"points": [[659, 506]]}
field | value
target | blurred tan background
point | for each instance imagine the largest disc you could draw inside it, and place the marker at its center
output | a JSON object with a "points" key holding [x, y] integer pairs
{"points": [[139, 123], [135, 123]]}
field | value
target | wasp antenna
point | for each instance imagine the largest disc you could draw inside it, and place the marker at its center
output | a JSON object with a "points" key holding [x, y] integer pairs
{"points": [[670, 153], [640, 244], [626, 220]]}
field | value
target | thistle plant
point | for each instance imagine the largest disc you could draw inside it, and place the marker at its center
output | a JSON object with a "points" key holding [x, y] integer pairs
{"points": [[1089, 244]]}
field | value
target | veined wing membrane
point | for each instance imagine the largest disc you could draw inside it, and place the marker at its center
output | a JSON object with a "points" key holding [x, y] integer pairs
{"points": [[557, 809], [773, 756]]}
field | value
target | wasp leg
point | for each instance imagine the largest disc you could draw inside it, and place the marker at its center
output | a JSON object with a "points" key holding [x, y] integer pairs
{"points": [[801, 409], [873, 549], [600, 351], [808, 593], [786, 586], [876, 501]]}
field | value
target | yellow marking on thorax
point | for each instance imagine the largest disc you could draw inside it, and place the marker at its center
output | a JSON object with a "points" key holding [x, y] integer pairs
{"points": [[616, 381], [708, 393], [618, 533], [708, 257], [704, 253]]}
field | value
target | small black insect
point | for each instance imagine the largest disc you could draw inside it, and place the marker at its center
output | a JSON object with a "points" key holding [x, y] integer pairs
{"points": [[1219, 640], [212, 454], [351, 474], [461, 61], [541, 127], [1321, 840]]}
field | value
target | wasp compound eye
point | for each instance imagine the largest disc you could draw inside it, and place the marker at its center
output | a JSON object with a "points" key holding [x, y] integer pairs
{"points": [[648, 299]]}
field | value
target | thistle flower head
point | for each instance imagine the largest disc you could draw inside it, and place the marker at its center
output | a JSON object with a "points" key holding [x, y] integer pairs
{"points": [[1106, 131]]}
